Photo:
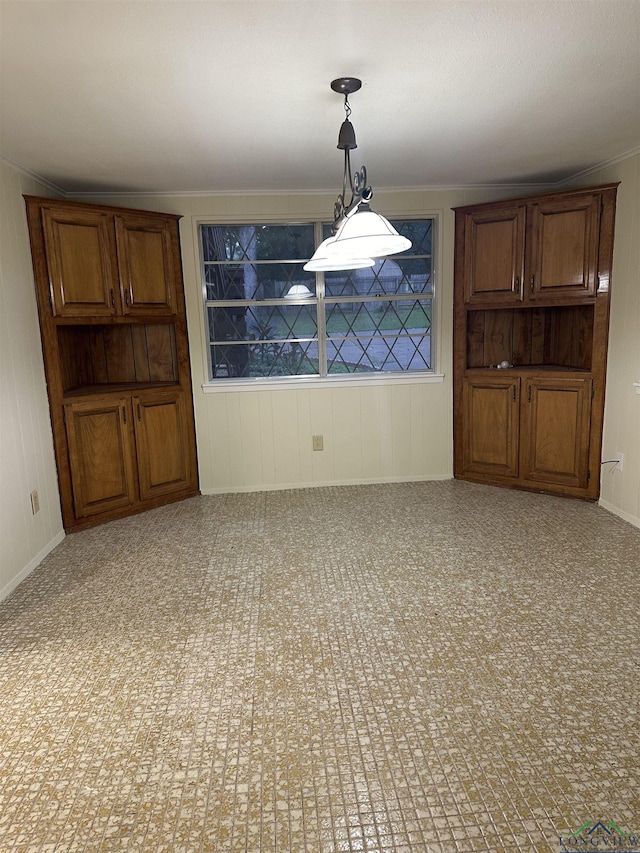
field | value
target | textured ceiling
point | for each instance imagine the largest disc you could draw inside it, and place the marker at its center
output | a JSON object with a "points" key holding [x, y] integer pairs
{"points": [[234, 96]]}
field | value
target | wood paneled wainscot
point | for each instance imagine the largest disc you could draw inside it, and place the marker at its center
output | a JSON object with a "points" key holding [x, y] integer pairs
{"points": [[113, 324], [531, 301]]}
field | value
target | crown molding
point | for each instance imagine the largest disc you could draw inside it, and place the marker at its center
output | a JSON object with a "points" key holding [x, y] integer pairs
{"points": [[27, 173], [381, 191], [592, 169]]}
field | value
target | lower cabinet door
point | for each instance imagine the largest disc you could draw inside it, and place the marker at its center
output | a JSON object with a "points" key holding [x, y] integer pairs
{"points": [[161, 443], [100, 457], [556, 428], [491, 426]]}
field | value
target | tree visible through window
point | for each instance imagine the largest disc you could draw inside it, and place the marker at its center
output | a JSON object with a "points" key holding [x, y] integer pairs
{"points": [[267, 317]]}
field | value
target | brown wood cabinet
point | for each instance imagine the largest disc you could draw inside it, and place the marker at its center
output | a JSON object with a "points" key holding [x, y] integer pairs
{"points": [[531, 291], [491, 424], [113, 325], [540, 250]]}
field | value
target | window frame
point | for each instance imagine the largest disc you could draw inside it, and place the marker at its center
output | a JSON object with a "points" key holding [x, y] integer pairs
{"points": [[357, 379]]}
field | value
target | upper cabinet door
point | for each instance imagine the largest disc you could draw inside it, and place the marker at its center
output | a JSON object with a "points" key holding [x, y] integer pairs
{"points": [[494, 255], [145, 261], [78, 250], [564, 248]]}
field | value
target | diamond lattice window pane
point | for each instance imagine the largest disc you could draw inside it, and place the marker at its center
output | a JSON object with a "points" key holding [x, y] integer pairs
{"points": [[388, 276], [381, 353], [257, 242], [380, 315], [419, 231], [254, 281], [263, 322], [267, 358]]}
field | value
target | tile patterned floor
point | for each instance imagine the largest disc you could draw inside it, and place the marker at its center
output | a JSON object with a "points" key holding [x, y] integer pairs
{"points": [[417, 667]]}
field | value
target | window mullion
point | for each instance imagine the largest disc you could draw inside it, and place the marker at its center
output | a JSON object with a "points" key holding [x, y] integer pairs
{"points": [[321, 317]]}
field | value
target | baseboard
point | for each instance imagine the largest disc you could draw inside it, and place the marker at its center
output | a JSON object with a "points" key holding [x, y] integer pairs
{"points": [[626, 516], [26, 571], [281, 487]]}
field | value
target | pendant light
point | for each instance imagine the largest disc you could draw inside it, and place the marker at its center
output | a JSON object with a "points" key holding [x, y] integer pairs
{"points": [[361, 235]]}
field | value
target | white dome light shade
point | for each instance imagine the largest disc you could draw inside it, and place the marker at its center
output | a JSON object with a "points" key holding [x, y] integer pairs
{"points": [[366, 234], [298, 291], [322, 261]]}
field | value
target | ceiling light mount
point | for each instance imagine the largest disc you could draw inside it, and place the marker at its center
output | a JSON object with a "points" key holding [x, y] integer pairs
{"points": [[360, 235], [355, 182], [346, 85]]}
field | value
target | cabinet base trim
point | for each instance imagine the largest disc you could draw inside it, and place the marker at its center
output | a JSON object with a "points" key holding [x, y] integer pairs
{"points": [[93, 521], [528, 486]]}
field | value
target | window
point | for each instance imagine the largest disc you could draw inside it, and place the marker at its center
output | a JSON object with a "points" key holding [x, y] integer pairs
{"points": [[267, 317]]}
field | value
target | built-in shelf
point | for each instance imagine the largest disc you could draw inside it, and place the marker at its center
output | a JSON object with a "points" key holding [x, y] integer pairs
{"points": [[528, 368], [115, 388]]}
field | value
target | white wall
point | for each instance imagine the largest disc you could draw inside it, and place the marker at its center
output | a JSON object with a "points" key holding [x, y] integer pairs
{"points": [[26, 444], [620, 490]]}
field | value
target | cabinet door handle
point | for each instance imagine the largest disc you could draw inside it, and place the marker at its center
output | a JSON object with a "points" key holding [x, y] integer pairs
{"points": [[139, 412], [127, 299], [514, 393], [533, 281], [113, 299], [517, 282], [124, 414], [529, 395]]}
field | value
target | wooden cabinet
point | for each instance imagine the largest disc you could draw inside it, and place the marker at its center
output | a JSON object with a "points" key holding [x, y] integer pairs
{"points": [[113, 325], [103, 264], [536, 251], [491, 425], [145, 265], [105, 451], [161, 437], [79, 253], [563, 257], [533, 429], [556, 421], [100, 461], [494, 260], [531, 307]]}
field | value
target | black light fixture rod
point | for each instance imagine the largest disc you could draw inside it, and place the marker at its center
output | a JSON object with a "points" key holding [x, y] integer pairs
{"points": [[356, 181]]}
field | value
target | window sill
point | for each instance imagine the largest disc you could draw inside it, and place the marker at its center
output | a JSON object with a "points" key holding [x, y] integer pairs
{"points": [[313, 382]]}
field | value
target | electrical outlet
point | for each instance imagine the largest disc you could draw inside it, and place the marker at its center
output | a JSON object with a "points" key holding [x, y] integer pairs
{"points": [[35, 502], [620, 463], [318, 443]]}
